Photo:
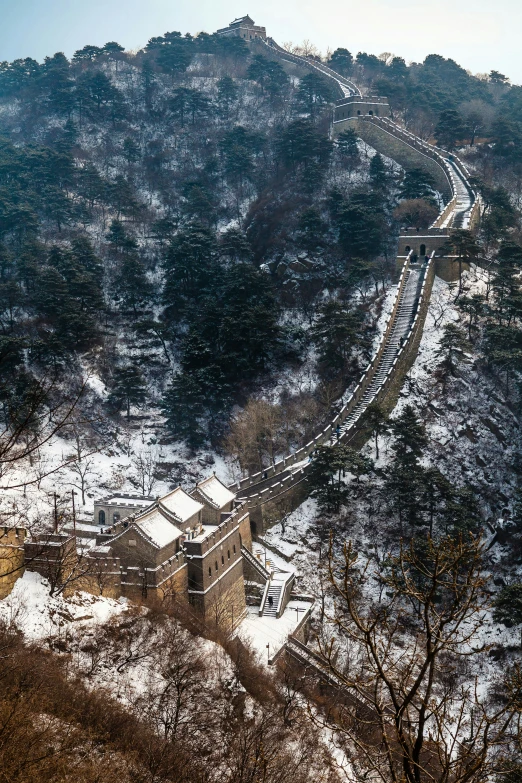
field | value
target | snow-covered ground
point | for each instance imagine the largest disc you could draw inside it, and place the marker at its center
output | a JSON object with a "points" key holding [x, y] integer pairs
{"points": [[40, 616], [267, 635]]}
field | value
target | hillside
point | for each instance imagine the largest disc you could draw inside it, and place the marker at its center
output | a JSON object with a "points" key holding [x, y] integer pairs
{"points": [[195, 270]]}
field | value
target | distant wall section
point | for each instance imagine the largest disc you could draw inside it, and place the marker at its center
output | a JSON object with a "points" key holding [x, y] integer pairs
{"points": [[393, 147]]}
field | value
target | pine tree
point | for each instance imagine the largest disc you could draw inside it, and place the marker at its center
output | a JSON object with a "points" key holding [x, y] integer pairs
{"points": [[452, 345], [228, 92], [313, 93], [131, 284], [128, 388], [405, 476], [131, 150], [188, 264], [235, 245], [464, 244], [341, 61], [449, 129], [378, 173], [348, 146], [418, 183], [377, 421], [327, 466], [337, 334], [410, 438], [184, 407], [311, 229], [508, 606]]}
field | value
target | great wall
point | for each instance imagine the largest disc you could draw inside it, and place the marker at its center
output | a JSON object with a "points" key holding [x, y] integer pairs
{"points": [[269, 493]]}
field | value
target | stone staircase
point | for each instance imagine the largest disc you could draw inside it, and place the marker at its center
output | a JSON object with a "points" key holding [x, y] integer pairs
{"points": [[256, 563], [259, 554], [404, 317], [274, 592]]}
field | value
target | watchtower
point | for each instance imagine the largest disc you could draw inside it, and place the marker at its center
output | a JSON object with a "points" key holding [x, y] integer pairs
{"points": [[245, 28], [357, 106]]}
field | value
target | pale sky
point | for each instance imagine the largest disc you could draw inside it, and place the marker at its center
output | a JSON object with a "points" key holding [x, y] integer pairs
{"points": [[480, 35]]}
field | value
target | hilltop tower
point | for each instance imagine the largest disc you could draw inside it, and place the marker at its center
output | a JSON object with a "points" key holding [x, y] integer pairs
{"points": [[244, 27]]}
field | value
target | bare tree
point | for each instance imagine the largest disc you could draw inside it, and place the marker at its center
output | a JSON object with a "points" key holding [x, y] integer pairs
{"points": [[420, 714], [84, 472], [253, 435], [145, 464], [32, 424], [175, 683]]}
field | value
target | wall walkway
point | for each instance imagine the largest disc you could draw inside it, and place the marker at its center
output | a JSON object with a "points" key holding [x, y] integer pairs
{"points": [[383, 378]]}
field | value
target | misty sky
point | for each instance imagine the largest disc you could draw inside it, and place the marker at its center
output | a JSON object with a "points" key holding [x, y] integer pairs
{"points": [[480, 35]]}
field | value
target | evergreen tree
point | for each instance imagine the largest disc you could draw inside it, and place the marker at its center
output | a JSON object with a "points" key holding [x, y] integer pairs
{"points": [[314, 92], [409, 438], [188, 102], [131, 150], [228, 93], [327, 467], [361, 227], [189, 264], [235, 245], [436, 492], [87, 54], [130, 283], [377, 421], [508, 606], [341, 61], [405, 476], [337, 334], [128, 388], [268, 74], [452, 345], [174, 57], [301, 144], [416, 184], [311, 229], [464, 244], [450, 129], [347, 144], [378, 173], [474, 307]]}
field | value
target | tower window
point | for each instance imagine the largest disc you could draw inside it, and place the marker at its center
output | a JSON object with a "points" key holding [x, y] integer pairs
{"points": [[209, 571], [216, 565]]}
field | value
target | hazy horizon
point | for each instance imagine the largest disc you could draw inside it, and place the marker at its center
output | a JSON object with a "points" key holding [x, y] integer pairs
{"points": [[480, 38]]}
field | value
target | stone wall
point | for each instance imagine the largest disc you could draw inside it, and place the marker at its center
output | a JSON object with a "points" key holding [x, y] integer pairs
{"points": [[448, 269], [397, 149], [208, 564], [245, 531], [142, 586], [356, 106], [130, 505], [12, 558], [133, 548], [100, 574], [224, 603], [422, 243], [282, 501], [52, 555], [215, 569]]}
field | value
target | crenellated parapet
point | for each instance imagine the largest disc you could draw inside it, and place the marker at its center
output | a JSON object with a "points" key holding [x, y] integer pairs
{"points": [[420, 255]]}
